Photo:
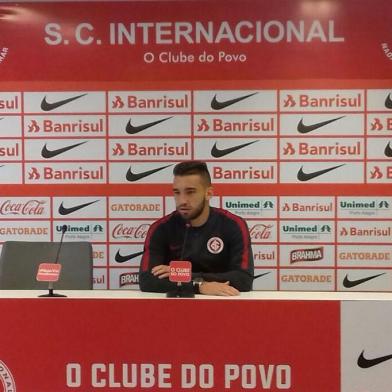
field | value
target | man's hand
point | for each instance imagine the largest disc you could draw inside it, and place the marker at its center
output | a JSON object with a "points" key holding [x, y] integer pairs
{"points": [[217, 288], [161, 271]]}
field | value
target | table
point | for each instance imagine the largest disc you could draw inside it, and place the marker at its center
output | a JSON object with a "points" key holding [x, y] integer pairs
{"points": [[132, 341]]}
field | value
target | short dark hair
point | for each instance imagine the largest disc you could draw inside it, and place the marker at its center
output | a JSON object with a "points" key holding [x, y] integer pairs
{"points": [[193, 167]]}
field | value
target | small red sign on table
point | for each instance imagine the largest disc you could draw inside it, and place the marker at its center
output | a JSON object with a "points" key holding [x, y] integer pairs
{"points": [[48, 272], [180, 271]]}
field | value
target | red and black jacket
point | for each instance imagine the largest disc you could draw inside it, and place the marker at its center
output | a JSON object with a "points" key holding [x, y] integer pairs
{"points": [[219, 250]]}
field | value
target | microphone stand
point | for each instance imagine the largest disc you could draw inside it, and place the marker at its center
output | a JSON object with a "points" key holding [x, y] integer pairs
{"points": [[180, 292], [51, 294]]}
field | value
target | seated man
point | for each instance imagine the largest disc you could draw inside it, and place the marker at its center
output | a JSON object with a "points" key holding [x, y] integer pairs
{"points": [[215, 241]]}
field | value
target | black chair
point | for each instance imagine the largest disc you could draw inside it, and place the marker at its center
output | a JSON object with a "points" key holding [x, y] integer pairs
{"points": [[19, 263]]}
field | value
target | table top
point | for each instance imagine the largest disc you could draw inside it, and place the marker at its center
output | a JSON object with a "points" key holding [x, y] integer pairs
{"points": [[253, 295]]}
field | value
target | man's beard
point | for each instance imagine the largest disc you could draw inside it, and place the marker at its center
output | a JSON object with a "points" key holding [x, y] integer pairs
{"points": [[197, 212]]}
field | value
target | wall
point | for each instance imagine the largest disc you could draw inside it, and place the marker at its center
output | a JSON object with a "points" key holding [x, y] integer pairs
{"points": [[289, 103]]}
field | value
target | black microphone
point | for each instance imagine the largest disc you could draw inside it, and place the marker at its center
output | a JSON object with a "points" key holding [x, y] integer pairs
{"points": [[187, 227], [63, 230]]}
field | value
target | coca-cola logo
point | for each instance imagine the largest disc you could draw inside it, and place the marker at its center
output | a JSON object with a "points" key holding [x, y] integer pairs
{"points": [[260, 231], [29, 207], [131, 232]]}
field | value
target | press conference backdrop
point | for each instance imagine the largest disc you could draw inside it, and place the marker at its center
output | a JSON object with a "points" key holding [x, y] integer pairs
{"points": [[290, 104]]}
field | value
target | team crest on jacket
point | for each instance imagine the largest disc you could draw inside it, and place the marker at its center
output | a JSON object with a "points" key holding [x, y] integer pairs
{"points": [[215, 245]]}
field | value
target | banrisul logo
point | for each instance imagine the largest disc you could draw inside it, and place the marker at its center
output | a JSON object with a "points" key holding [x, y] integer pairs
{"points": [[6, 378], [3, 54]]}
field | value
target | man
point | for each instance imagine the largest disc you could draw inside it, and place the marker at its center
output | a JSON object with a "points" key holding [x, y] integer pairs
{"points": [[215, 241]]}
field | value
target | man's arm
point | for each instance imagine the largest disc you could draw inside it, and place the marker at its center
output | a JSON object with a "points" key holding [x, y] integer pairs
{"points": [[240, 280], [240, 261], [154, 268]]}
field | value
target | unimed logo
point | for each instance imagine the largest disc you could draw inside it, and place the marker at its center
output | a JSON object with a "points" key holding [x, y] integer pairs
{"points": [[6, 378], [364, 205]]}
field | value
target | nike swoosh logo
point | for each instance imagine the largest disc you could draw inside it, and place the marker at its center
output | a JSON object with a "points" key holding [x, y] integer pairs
{"points": [[259, 276], [218, 105], [388, 150], [132, 130], [218, 153], [301, 176], [302, 128], [388, 102], [365, 363], [66, 211], [352, 283], [132, 177], [47, 107], [122, 259], [52, 153]]}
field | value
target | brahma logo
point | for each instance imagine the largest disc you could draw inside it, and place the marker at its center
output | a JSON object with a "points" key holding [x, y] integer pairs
{"points": [[128, 278], [3, 54], [7, 378], [299, 255]]}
